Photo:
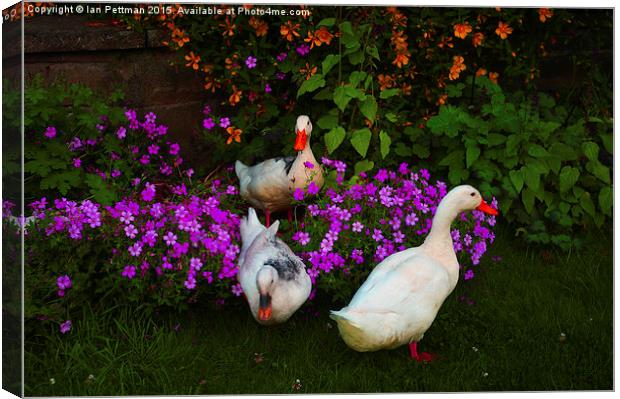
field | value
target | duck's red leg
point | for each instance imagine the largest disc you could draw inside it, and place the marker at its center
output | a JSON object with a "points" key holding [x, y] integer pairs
{"points": [[267, 218], [289, 213], [420, 357]]}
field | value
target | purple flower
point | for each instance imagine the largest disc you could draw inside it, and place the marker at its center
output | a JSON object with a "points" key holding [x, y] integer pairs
{"points": [[195, 264], [302, 237], [174, 149], [224, 122], [281, 57], [170, 238], [63, 283], [267, 88], [65, 327], [135, 249], [148, 193], [250, 62], [237, 290], [411, 219], [50, 132], [469, 274], [377, 235], [357, 227], [303, 50], [309, 165], [206, 110], [121, 133], [153, 149], [129, 271], [298, 194], [313, 189], [77, 162], [131, 231], [208, 123]]}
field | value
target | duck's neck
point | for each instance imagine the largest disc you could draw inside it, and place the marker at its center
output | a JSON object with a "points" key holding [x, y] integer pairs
{"points": [[439, 239]]}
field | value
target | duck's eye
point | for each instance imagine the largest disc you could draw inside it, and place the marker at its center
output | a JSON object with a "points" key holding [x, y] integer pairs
{"points": [[473, 194]]}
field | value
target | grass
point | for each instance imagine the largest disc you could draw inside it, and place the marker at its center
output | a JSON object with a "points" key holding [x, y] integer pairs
{"points": [[508, 339]]}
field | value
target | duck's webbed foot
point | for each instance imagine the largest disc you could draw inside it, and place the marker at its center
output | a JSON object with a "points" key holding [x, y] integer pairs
{"points": [[420, 356]]}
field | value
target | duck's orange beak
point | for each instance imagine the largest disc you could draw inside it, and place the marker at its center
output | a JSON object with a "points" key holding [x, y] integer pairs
{"points": [[486, 208], [300, 141], [264, 307]]}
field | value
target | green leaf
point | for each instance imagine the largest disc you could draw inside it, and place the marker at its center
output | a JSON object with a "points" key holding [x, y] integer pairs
{"points": [[356, 57], [446, 122], [311, 84], [369, 108], [327, 22], [590, 150], [587, 204], [471, 154], [568, 177], [496, 139], [361, 140], [387, 93], [564, 151], [605, 200], [328, 122], [356, 77], [344, 94], [329, 62], [391, 117], [516, 177], [62, 181], [453, 159], [599, 170], [528, 198], [532, 178], [608, 142], [363, 166], [386, 142], [421, 151], [374, 53], [334, 138], [537, 151]]}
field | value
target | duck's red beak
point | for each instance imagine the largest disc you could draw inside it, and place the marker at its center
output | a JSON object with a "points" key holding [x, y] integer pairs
{"points": [[264, 307], [486, 208], [300, 141]]}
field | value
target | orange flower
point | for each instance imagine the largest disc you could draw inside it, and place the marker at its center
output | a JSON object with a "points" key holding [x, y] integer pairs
{"points": [[312, 40], [397, 18], [503, 30], [399, 41], [477, 39], [308, 70], [544, 14], [289, 31], [324, 35], [259, 26], [193, 60], [233, 134], [493, 77], [442, 100], [232, 65], [445, 42], [405, 88], [179, 37], [385, 81], [401, 59], [462, 30], [457, 67], [211, 84], [235, 97], [229, 27], [481, 72]]}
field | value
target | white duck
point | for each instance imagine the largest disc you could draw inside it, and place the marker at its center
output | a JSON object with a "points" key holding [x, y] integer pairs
{"points": [[402, 295], [270, 184], [273, 278]]}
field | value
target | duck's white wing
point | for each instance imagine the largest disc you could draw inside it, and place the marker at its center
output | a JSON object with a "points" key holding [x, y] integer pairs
{"points": [[266, 184], [383, 268], [416, 280]]}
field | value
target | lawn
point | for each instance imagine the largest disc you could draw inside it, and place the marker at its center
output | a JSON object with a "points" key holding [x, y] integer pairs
{"points": [[536, 319]]}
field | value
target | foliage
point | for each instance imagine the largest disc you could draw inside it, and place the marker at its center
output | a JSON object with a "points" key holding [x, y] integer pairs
{"points": [[77, 144], [550, 172], [362, 73]]}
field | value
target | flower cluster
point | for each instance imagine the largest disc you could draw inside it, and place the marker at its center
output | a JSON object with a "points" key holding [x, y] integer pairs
{"points": [[356, 226]]}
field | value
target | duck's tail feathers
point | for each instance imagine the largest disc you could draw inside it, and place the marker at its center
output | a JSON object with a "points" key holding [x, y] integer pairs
{"points": [[241, 169], [250, 227]]}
